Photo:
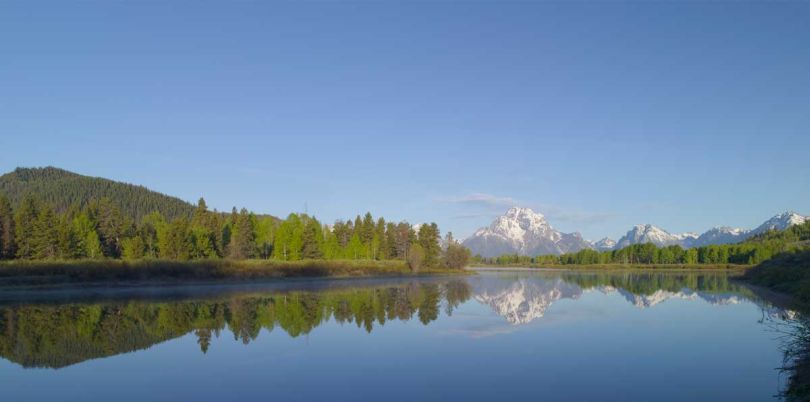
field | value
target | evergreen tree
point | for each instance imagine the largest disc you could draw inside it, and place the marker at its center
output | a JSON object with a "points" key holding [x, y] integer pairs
{"points": [[380, 250], [110, 225], [46, 234], [68, 240], [205, 232], [152, 228], [25, 219], [367, 229], [243, 242], [429, 240], [312, 239], [8, 245], [177, 243]]}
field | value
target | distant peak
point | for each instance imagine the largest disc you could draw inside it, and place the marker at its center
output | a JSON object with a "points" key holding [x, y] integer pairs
{"points": [[787, 214], [518, 211]]}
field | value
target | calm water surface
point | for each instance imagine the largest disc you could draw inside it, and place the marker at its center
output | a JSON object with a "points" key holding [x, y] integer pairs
{"points": [[498, 335]]}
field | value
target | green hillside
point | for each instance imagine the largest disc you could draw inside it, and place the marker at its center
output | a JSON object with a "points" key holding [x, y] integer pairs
{"points": [[62, 188]]}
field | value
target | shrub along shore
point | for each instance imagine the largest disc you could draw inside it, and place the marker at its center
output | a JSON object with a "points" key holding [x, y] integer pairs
{"points": [[20, 272]]}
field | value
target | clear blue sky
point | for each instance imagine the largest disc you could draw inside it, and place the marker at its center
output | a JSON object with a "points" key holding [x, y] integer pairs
{"points": [[601, 115]]}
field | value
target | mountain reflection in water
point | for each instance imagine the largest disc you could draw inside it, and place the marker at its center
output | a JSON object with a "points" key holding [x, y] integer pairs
{"points": [[55, 335], [521, 299]]}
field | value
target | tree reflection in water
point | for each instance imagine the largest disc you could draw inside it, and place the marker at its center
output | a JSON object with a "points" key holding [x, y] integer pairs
{"points": [[55, 336]]}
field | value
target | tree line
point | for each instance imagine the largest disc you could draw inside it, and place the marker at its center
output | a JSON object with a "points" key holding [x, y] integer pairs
{"points": [[755, 250], [62, 188], [36, 231]]}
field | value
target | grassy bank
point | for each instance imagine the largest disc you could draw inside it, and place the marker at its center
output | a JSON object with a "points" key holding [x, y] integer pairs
{"points": [[787, 273], [57, 272], [619, 266]]}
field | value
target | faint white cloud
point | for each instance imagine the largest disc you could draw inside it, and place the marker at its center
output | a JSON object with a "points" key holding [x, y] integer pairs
{"points": [[474, 216], [481, 199], [495, 203], [579, 217]]}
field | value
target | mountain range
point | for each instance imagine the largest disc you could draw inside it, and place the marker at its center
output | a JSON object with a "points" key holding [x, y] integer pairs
{"points": [[523, 231]]}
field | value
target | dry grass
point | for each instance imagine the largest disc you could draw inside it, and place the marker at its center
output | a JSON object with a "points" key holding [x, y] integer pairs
{"points": [[49, 272]]}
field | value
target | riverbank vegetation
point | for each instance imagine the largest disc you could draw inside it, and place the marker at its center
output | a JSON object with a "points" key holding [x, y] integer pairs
{"points": [[41, 273], [98, 240], [788, 273]]}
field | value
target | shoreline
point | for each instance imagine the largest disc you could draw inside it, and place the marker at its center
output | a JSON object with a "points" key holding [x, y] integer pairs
{"points": [[38, 275], [618, 267]]}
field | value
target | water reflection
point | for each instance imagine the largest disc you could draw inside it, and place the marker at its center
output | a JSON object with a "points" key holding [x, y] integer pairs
{"points": [[60, 335], [56, 335], [521, 299]]}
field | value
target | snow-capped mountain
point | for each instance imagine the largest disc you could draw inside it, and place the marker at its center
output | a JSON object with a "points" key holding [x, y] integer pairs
{"points": [[605, 244], [641, 234], [727, 235], [780, 222], [523, 231], [721, 235], [717, 235]]}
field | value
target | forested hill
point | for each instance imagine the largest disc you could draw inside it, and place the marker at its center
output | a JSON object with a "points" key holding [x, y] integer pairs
{"points": [[62, 188]]}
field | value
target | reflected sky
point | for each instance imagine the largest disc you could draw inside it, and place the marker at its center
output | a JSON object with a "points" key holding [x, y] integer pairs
{"points": [[539, 335]]}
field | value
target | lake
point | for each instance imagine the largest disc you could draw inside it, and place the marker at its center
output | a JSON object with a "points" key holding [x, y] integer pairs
{"points": [[497, 335]]}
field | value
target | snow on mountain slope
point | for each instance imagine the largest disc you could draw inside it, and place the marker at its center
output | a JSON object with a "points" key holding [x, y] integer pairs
{"points": [[716, 235], [721, 235], [780, 222], [525, 232], [641, 234], [524, 300]]}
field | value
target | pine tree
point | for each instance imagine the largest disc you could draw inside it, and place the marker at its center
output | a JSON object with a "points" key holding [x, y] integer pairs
{"points": [[367, 230], [46, 235], [312, 240], [153, 227], [391, 241], [68, 241], [379, 249], [8, 245], [176, 244], [110, 225], [206, 236], [25, 219], [429, 240], [243, 242]]}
